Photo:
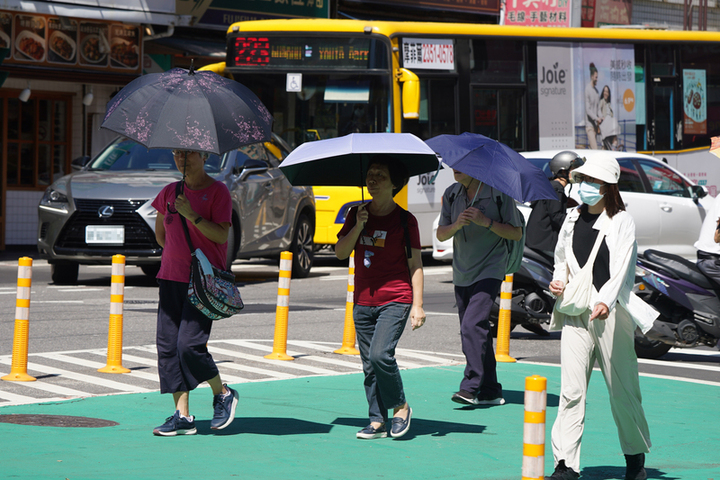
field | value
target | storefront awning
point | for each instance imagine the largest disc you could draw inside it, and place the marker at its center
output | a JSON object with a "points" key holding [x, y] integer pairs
{"points": [[137, 12]]}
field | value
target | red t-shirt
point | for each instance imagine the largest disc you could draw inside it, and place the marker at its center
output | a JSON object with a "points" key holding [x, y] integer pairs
{"points": [[381, 265], [212, 203]]}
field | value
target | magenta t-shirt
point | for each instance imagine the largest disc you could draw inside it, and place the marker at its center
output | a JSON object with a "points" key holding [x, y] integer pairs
{"points": [[381, 265], [212, 203]]}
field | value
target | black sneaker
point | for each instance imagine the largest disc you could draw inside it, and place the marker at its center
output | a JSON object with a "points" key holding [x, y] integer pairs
{"points": [[224, 406], [563, 472], [635, 467], [483, 399], [371, 432], [465, 398], [400, 426], [176, 425]]}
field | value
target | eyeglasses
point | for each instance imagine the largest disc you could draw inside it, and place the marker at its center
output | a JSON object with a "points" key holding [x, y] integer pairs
{"points": [[179, 152]]}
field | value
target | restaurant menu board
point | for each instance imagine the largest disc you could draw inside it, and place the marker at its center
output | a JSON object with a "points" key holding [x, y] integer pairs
{"points": [[53, 41]]}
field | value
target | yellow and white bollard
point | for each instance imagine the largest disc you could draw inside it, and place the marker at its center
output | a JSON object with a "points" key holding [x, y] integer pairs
{"points": [[533, 466], [18, 368], [348, 345], [283, 306], [115, 331], [502, 351]]}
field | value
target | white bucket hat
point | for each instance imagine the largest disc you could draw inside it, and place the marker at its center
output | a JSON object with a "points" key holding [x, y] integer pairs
{"points": [[599, 165]]}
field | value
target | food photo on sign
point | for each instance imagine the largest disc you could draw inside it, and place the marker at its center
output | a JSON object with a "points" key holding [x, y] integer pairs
{"points": [[62, 40], [94, 45], [30, 38]]}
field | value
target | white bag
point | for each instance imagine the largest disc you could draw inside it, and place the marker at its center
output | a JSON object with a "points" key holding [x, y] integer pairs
{"points": [[577, 295]]}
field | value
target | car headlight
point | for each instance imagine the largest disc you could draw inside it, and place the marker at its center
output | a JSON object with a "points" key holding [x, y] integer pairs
{"points": [[55, 200]]}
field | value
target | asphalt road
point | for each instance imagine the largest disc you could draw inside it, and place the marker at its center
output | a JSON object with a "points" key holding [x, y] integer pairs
{"points": [[69, 328]]}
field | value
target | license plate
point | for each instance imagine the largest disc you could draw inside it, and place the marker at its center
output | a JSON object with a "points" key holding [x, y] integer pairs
{"points": [[106, 234]]}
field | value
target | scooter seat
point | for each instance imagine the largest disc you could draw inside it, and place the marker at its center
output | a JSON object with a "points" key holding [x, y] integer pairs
{"points": [[539, 257], [683, 268]]}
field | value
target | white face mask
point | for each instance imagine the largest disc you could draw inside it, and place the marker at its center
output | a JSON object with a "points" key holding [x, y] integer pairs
{"points": [[590, 193]]}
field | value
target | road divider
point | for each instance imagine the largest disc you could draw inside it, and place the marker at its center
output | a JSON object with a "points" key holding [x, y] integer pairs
{"points": [[533, 465], [283, 307], [18, 368], [502, 353], [115, 330], [348, 343]]}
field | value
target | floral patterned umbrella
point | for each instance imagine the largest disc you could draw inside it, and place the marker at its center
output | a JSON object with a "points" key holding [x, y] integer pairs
{"points": [[188, 110]]}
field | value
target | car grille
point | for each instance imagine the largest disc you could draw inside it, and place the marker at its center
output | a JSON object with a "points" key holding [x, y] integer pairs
{"points": [[139, 237]]}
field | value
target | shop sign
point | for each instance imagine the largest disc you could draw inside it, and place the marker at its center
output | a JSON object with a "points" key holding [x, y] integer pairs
{"points": [[51, 41], [694, 102], [428, 54], [223, 13], [596, 13], [538, 13]]}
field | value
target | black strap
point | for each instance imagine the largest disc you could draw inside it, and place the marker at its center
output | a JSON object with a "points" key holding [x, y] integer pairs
{"points": [[404, 223], [178, 191]]}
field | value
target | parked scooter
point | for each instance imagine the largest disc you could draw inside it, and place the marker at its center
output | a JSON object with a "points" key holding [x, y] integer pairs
{"points": [[687, 301], [532, 302]]}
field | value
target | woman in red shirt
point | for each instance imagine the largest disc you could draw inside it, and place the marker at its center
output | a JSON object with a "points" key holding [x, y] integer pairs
{"points": [[388, 289]]}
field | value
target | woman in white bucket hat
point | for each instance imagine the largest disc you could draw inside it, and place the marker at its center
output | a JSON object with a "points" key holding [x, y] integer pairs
{"points": [[596, 316]]}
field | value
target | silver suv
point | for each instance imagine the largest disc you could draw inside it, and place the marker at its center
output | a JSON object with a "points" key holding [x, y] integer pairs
{"points": [[104, 209]]}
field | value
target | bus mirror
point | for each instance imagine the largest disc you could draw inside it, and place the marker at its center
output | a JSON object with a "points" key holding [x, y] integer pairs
{"points": [[218, 68], [410, 94]]}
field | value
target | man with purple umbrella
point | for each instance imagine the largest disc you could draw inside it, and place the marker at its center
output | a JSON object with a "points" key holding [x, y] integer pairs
{"points": [[479, 219]]}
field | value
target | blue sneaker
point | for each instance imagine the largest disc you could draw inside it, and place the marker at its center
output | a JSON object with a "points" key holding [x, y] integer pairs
{"points": [[224, 406], [176, 425], [371, 432]]}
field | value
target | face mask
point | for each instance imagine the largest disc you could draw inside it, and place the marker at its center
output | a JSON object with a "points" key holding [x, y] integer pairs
{"points": [[590, 193]]}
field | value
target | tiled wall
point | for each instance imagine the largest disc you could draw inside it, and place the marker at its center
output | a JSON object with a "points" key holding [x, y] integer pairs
{"points": [[21, 218]]}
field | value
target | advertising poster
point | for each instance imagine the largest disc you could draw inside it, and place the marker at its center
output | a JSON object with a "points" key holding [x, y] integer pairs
{"points": [[62, 40], [30, 45], [538, 13], [694, 102], [604, 96], [428, 53], [5, 30], [555, 97], [124, 48], [94, 44]]}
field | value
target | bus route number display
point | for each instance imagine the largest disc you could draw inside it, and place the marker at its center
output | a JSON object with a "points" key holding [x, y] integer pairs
{"points": [[266, 51], [428, 53]]}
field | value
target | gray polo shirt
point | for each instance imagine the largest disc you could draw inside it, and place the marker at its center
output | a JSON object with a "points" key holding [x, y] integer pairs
{"points": [[478, 253]]}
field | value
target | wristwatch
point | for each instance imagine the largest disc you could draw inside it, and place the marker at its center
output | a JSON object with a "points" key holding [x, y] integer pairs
{"points": [[198, 220]]}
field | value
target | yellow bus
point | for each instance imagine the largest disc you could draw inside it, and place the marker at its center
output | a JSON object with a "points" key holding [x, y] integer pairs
{"points": [[527, 87]]}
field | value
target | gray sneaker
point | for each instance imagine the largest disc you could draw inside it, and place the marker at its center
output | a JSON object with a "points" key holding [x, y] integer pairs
{"points": [[224, 406], [176, 425], [490, 400]]}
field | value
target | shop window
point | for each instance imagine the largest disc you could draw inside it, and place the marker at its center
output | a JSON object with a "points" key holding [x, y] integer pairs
{"points": [[38, 140]]}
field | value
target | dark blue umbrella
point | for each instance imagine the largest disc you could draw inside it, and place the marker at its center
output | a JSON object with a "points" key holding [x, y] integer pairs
{"points": [[188, 110], [495, 164]]}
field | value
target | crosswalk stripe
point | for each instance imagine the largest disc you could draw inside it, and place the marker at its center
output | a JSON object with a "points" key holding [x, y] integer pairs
{"points": [[256, 358], [93, 380], [12, 397], [52, 388], [315, 358], [94, 365]]}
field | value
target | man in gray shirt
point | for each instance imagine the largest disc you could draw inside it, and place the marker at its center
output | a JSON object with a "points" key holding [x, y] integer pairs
{"points": [[592, 98], [479, 226]]}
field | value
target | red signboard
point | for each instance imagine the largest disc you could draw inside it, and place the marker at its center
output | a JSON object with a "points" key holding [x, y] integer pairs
{"points": [[538, 13]]}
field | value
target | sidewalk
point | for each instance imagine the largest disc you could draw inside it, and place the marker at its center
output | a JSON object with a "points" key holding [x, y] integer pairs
{"points": [[305, 429]]}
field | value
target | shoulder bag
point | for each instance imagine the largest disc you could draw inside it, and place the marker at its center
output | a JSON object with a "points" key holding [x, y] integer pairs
{"points": [[577, 295], [210, 290]]}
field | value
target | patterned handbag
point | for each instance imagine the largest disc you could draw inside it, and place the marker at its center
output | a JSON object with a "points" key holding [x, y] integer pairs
{"points": [[210, 290]]}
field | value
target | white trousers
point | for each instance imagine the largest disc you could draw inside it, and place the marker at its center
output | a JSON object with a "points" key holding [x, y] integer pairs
{"points": [[611, 343]]}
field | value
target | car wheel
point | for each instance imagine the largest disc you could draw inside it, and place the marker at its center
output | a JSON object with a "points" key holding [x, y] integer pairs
{"points": [[64, 273], [150, 269], [302, 248], [231, 246]]}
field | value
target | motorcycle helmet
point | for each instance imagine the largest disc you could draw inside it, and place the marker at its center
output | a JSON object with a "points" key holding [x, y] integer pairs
{"points": [[564, 162]]}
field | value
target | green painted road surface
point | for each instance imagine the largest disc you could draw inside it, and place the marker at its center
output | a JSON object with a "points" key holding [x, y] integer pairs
{"points": [[304, 428]]}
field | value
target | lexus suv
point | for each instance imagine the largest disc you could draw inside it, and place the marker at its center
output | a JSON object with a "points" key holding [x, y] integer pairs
{"points": [[105, 209]]}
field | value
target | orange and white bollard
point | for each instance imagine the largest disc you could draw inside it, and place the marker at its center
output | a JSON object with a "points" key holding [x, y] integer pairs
{"points": [[115, 331], [18, 368], [533, 466], [502, 351], [348, 344], [281, 312]]}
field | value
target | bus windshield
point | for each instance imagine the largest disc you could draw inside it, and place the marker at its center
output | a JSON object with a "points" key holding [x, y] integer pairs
{"points": [[327, 105]]}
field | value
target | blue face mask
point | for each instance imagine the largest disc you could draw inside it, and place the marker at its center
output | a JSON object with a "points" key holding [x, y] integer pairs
{"points": [[590, 193]]}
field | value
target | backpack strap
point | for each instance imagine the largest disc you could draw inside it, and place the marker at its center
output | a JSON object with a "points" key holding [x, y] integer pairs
{"points": [[404, 223]]}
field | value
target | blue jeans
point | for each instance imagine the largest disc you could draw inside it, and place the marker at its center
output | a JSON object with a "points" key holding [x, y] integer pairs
{"points": [[378, 331]]}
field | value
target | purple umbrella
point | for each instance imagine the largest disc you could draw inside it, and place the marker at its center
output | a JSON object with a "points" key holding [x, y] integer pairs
{"points": [[188, 110], [495, 164]]}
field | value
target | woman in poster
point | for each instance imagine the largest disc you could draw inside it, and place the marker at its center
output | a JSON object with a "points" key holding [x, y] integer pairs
{"points": [[592, 121], [609, 127]]}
